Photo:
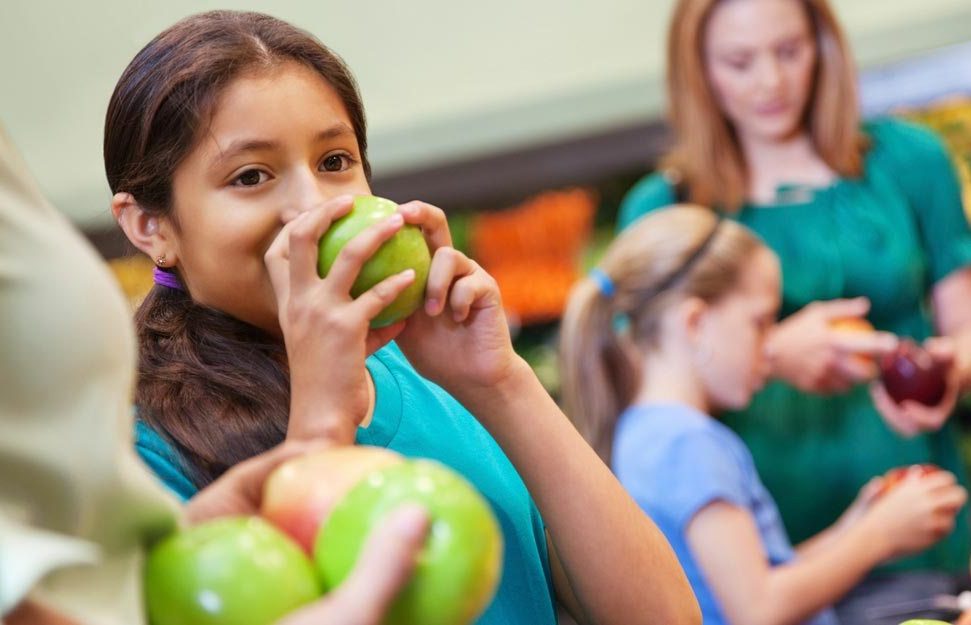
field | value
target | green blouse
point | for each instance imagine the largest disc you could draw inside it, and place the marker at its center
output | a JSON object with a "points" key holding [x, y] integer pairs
{"points": [[890, 236]]}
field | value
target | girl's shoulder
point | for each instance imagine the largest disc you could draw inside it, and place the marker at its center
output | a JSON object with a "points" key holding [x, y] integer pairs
{"points": [[164, 460]]}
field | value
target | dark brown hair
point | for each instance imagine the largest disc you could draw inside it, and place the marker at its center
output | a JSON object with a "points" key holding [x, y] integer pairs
{"points": [[216, 387]]}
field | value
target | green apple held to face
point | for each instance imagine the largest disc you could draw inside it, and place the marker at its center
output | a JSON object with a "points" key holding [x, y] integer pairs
{"points": [[459, 566], [301, 492], [231, 571], [405, 250]]}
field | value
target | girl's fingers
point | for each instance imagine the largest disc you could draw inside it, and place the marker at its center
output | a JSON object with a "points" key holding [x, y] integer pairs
{"points": [[471, 292], [277, 261], [357, 251], [432, 220], [370, 303], [305, 233], [447, 265]]}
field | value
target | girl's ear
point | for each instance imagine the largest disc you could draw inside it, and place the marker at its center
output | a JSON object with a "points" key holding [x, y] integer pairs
{"points": [[690, 315], [151, 234]]}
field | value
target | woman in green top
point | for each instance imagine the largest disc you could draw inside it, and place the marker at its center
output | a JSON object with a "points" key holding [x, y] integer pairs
{"points": [[866, 221]]}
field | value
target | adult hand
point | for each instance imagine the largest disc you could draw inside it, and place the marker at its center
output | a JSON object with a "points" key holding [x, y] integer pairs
{"points": [[809, 353]]}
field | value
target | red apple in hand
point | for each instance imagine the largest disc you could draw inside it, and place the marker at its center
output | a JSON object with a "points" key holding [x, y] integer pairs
{"points": [[911, 373], [301, 492], [893, 477]]}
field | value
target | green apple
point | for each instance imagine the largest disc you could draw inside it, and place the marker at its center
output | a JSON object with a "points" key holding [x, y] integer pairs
{"points": [[230, 571], [405, 250], [460, 563], [924, 621]]}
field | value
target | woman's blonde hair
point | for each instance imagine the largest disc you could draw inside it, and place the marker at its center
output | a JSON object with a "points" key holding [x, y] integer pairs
{"points": [[706, 155], [613, 317]]}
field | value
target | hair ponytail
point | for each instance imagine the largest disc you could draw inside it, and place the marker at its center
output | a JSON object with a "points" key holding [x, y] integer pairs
{"points": [[599, 377], [216, 387]]}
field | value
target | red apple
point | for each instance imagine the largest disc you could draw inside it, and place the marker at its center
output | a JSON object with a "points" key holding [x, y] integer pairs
{"points": [[911, 373], [301, 492], [893, 477]]}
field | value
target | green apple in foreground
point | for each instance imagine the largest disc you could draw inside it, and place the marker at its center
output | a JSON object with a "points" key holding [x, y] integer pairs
{"points": [[924, 621], [459, 566], [231, 571], [405, 250]]}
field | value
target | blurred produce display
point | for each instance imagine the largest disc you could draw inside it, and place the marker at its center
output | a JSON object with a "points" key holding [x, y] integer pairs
{"points": [[534, 251], [951, 119], [134, 274]]}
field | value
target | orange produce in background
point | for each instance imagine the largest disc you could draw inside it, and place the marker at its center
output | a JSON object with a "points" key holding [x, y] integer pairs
{"points": [[533, 250]]}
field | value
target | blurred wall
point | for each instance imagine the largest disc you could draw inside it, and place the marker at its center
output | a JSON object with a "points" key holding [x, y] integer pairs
{"points": [[441, 78]]}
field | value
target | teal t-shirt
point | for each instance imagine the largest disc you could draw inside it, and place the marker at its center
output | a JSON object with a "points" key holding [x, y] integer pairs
{"points": [[890, 236], [417, 418]]}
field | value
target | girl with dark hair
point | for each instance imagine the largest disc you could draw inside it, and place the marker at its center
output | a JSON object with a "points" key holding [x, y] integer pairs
{"points": [[232, 141]]}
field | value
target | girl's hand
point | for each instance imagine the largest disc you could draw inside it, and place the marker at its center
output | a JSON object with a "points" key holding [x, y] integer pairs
{"points": [[326, 332], [806, 351], [909, 418], [916, 513], [460, 337]]}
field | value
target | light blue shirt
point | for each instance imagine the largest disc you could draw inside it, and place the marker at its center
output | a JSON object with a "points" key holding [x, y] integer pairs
{"points": [[675, 460]]}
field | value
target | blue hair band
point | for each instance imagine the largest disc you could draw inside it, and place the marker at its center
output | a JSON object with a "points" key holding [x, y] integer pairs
{"points": [[604, 283]]}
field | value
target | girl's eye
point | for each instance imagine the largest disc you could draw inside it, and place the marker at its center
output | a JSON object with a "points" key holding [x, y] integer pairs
{"points": [[250, 178], [335, 162]]}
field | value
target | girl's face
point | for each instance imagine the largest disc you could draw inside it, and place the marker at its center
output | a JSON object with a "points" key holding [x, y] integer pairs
{"points": [[279, 142], [732, 332], [760, 57]]}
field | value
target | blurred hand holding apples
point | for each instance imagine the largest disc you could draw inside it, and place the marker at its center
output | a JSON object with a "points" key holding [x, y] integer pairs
{"points": [[914, 508], [827, 346], [918, 387], [243, 570]]}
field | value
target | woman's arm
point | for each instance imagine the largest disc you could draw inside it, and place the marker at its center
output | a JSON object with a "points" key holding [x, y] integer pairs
{"points": [[951, 299]]}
